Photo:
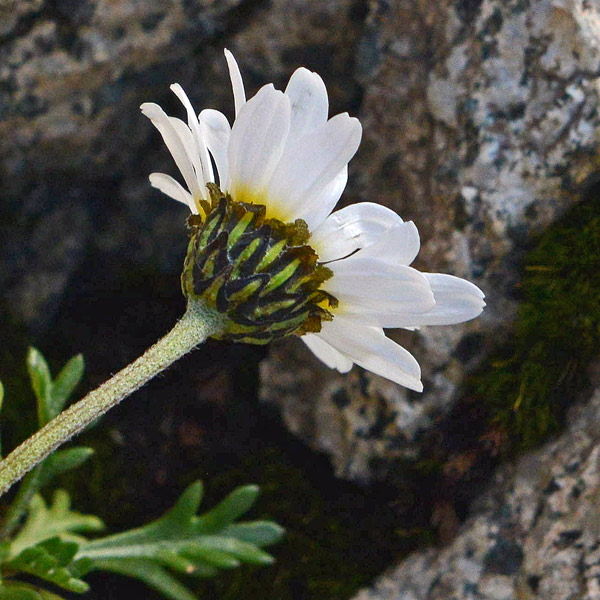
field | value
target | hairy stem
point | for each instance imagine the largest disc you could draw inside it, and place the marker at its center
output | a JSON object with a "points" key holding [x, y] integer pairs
{"points": [[197, 324]]}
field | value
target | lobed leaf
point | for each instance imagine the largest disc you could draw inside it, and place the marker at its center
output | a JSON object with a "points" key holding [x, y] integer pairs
{"points": [[52, 395], [38, 477], [43, 523], [259, 533], [226, 512], [187, 544], [53, 561], [62, 461], [51, 546], [41, 382], [65, 383], [20, 592], [151, 574]]}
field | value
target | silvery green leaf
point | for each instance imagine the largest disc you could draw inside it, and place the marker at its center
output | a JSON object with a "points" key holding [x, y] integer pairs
{"points": [[65, 383], [62, 461], [52, 395], [41, 382], [259, 533], [52, 560], [185, 543], [236, 504], [20, 592], [44, 522], [153, 575], [57, 463]]}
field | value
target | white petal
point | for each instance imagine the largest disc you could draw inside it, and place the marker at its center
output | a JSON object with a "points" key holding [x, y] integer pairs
{"points": [[206, 173], [189, 143], [456, 300], [308, 98], [369, 348], [257, 140], [356, 226], [311, 162], [329, 355], [167, 185], [217, 132], [398, 245], [314, 213], [174, 144], [237, 84], [370, 287]]}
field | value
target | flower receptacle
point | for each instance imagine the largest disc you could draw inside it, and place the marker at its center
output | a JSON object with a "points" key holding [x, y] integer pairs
{"points": [[260, 273]]}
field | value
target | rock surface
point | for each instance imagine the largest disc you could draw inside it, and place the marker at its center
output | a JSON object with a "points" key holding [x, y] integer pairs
{"points": [[533, 534], [72, 76], [75, 152], [481, 125]]}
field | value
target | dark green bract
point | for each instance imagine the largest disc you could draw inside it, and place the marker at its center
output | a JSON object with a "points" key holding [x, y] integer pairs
{"points": [[259, 272]]}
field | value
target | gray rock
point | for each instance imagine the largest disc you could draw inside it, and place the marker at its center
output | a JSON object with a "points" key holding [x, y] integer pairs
{"points": [[13, 11], [533, 534], [73, 74], [37, 266], [481, 125], [72, 77], [288, 34], [353, 418]]}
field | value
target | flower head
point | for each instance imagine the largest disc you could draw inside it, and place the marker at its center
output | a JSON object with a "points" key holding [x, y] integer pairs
{"points": [[266, 248]]}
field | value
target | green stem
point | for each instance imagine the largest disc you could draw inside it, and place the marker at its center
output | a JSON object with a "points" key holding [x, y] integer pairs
{"points": [[197, 324]]}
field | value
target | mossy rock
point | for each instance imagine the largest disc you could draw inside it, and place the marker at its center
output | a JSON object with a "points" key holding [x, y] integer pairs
{"points": [[528, 383]]}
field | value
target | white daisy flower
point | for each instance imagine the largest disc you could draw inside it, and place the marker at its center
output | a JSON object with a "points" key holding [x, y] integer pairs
{"points": [[283, 152]]}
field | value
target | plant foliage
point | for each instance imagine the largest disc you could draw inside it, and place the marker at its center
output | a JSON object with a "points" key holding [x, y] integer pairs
{"points": [[185, 543], [50, 541], [53, 561]]}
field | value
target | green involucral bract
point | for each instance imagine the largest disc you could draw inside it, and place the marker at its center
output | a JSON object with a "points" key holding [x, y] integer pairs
{"points": [[259, 272]]}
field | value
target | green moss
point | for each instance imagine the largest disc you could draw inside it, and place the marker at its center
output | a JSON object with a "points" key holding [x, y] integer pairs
{"points": [[557, 334]]}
